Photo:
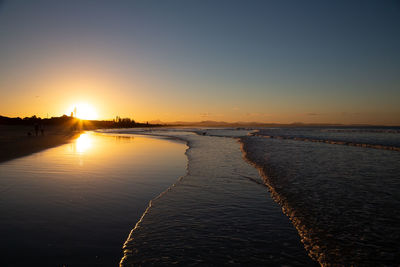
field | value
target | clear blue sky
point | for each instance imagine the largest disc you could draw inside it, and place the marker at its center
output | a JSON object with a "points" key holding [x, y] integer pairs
{"points": [[270, 61]]}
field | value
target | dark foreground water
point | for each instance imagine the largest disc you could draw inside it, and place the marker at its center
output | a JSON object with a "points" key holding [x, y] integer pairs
{"points": [[220, 213], [336, 193], [75, 204], [339, 186]]}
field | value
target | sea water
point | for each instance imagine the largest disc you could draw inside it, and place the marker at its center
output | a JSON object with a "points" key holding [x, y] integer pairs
{"points": [[220, 213], [326, 195], [75, 204], [338, 186]]}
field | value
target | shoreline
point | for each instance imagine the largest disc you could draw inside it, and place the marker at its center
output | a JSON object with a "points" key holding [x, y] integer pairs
{"points": [[116, 187], [15, 142], [185, 194]]}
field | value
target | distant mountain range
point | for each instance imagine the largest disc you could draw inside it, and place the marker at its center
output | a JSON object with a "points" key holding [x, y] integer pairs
{"points": [[209, 123], [103, 123]]}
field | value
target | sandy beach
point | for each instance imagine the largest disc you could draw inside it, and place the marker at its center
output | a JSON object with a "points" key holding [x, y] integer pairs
{"points": [[15, 141]]}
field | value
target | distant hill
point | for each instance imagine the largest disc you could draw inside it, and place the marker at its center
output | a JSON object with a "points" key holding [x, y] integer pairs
{"points": [[128, 123], [210, 123]]}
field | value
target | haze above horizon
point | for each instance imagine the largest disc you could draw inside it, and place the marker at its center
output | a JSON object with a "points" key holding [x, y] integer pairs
{"points": [[264, 61]]}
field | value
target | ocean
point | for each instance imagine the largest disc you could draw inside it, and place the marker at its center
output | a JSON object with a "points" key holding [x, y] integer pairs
{"points": [[338, 186], [74, 205], [206, 196]]}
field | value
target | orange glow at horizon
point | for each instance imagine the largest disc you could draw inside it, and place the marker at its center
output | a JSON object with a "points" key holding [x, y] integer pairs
{"points": [[84, 111]]}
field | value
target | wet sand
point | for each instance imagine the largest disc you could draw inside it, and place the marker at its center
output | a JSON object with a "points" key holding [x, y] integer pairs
{"points": [[15, 141]]}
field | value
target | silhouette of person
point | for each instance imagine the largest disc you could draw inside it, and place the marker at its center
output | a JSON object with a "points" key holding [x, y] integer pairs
{"points": [[36, 129], [41, 129]]}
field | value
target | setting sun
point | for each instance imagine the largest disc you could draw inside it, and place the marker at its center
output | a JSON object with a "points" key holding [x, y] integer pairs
{"points": [[84, 111]]}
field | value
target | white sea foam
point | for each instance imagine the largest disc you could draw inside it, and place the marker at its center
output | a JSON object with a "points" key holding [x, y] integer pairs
{"points": [[342, 200], [219, 213]]}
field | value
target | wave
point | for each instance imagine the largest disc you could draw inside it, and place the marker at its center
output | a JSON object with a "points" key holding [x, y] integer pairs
{"points": [[332, 142], [395, 130], [340, 199], [128, 248], [377, 138], [217, 214], [342, 202]]}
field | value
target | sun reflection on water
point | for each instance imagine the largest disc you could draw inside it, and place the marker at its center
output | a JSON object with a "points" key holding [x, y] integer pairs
{"points": [[83, 143]]}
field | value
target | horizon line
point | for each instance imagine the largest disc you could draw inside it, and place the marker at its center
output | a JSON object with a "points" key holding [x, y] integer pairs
{"points": [[211, 123]]}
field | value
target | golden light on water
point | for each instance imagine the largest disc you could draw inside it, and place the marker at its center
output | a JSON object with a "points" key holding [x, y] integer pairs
{"points": [[83, 143]]}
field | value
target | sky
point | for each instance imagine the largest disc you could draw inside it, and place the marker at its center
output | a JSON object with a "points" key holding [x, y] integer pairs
{"points": [[265, 61]]}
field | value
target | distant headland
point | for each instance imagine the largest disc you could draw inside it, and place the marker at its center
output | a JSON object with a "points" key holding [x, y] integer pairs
{"points": [[74, 123], [23, 136], [118, 122]]}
